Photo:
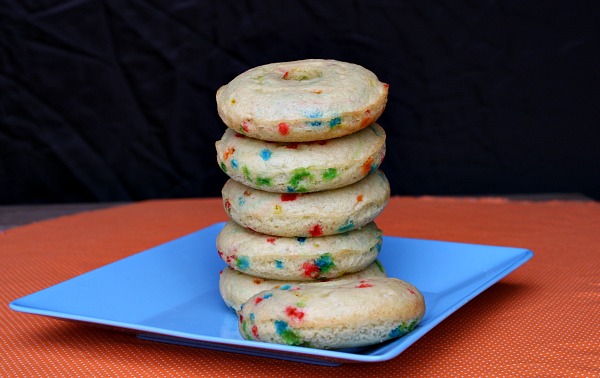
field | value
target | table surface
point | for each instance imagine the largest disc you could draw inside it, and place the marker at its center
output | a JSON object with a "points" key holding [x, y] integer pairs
{"points": [[541, 320]]}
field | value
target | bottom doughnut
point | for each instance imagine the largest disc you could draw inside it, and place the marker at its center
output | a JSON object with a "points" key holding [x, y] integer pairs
{"points": [[331, 315]]}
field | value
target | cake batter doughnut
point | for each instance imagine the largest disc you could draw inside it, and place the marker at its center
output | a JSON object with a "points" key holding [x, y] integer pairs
{"points": [[237, 287], [307, 214], [305, 100], [331, 315], [301, 167], [298, 258]]}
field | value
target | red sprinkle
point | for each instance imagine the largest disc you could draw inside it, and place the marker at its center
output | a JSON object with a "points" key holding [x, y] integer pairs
{"points": [[227, 205], [255, 331], [411, 291], [245, 126], [310, 269], [363, 285], [285, 75], [317, 230], [284, 128], [359, 198], [289, 197], [294, 313], [271, 240], [258, 300]]}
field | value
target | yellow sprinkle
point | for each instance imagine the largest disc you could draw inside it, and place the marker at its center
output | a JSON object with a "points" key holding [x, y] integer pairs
{"points": [[278, 209]]}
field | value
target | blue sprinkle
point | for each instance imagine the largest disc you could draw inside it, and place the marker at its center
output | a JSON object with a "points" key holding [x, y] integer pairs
{"points": [[335, 121], [349, 225], [265, 154], [290, 189], [234, 163], [251, 316], [301, 239], [285, 287], [279, 264], [395, 332], [241, 201], [243, 263], [378, 246], [315, 123], [267, 296], [280, 326]]}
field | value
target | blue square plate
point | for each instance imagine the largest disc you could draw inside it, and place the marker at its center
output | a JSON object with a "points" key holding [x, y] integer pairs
{"points": [[170, 293]]}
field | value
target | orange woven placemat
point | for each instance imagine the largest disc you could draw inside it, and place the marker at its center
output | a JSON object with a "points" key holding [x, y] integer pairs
{"points": [[541, 320]]}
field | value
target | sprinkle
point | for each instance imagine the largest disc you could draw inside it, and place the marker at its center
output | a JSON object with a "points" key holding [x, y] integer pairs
{"points": [[285, 287], [284, 128], [257, 300], [316, 230], [246, 173], [241, 201], [285, 75], [347, 226], [285, 197], [329, 174], [310, 269], [265, 154], [294, 313], [257, 280], [287, 335], [335, 122], [325, 263], [359, 198], [366, 167], [232, 101], [223, 167], [277, 209], [260, 181], [255, 331], [299, 175], [301, 239], [364, 284], [228, 152], [234, 164], [245, 127], [227, 205], [278, 264], [242, 263], [271, 240]]}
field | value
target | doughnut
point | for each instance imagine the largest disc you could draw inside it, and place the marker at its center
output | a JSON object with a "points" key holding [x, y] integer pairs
{"points": [[301, 167], [237, 287], [298, 258], [304, 100], [331, 315], [322, 213]]}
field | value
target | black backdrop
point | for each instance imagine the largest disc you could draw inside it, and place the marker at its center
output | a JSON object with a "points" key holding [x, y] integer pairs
{"points": [[114, 100]]}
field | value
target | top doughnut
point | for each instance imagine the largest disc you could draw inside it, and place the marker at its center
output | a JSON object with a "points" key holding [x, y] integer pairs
{"points": [[302, 101]]}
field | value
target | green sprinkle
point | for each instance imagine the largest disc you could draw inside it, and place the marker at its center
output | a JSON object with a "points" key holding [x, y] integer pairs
{"points": [[379, 266], [330, 174], [223, 167], [246, 173], [260, 181], [299, 175]]}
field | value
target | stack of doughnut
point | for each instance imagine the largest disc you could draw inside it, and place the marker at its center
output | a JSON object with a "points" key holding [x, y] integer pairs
{"points": [[302, 150]]}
